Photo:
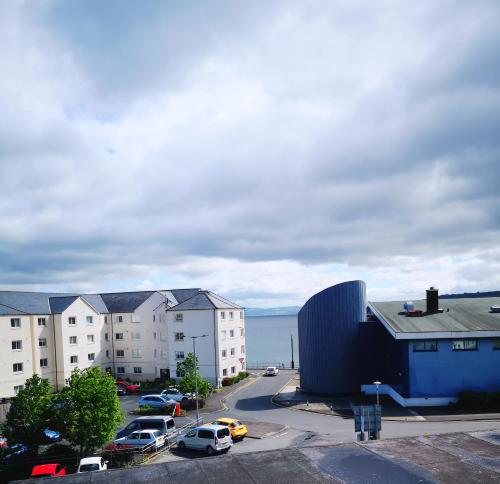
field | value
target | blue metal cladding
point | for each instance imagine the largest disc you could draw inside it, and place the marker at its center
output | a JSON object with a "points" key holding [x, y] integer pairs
{"points": [[328, 339]]}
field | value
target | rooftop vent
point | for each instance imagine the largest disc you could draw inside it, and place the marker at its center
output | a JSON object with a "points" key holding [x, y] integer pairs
{"points": [[432, 300], [408, 306]]}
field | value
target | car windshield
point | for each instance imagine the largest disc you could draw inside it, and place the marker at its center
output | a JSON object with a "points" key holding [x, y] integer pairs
{"points": [[221, 433], [151, 425], [89, 467], [270, 368]]}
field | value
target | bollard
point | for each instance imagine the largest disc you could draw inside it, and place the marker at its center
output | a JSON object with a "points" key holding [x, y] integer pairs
{"points": [[307, 403], [177, 409], [331, 407]]}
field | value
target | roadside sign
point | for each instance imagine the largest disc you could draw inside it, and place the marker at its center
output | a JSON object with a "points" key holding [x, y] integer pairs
{"points": [[367, 418]]}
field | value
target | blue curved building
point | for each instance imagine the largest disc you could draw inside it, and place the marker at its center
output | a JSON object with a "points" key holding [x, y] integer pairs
{"points": [[329, 325]]}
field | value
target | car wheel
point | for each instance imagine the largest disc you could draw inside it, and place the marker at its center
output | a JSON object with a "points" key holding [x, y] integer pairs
{"points": [[210, 450], [182, 445]]}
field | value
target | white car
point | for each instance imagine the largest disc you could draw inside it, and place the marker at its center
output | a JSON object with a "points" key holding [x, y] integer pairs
{"points": [[174, 394], [90, 464], [208, 438], [141, 438], [271, 371]]}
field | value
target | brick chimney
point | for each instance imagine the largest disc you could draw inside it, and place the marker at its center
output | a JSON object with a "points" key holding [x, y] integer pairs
{"points": [[432, 300]]}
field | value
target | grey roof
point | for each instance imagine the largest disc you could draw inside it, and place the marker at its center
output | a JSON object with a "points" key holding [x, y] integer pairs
{"points": [[96, 301], [28, 302], [182, 295], [7, 311], [205, 300], [125, 302], [460, 315]]}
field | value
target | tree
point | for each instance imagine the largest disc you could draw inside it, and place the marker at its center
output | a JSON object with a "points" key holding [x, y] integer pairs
{"points": [[91, 410], [27, 416], [187, 383]]}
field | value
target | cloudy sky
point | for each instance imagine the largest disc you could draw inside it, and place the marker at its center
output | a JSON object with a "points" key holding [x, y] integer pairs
{"points": [[264, 150]]}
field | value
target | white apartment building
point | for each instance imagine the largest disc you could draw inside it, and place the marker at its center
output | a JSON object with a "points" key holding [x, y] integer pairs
{"points": [[136, 335]]}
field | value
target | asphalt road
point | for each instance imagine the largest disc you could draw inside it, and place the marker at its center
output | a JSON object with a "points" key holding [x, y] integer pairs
{"points": [[253, 402]]}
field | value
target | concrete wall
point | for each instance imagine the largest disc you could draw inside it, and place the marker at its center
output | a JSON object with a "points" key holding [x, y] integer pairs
{"points": [[446, 372]]}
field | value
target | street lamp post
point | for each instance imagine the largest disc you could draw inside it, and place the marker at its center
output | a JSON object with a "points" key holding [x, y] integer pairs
{"points": [[196, 374], [291, 343], [377, 384]]}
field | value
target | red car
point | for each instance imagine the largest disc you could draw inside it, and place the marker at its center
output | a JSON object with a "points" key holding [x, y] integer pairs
{"points": [[127, 387], [48, 470]]}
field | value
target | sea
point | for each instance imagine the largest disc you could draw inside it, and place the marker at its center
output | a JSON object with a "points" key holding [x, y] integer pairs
{"points": [[268, 341]]}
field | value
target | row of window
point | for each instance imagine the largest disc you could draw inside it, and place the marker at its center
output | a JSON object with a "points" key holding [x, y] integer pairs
{"points": [[232, 351], [224, 371], [457, 345], [121, 369], [180, 317]]}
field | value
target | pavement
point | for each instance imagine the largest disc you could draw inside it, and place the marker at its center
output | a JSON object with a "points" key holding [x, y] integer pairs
{"points": [[289, 397], [450, 459]]}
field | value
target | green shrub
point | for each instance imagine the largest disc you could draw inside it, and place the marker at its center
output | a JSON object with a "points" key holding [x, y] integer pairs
{"points": [[243, 374], [148, 410], [227, 381], [235, 379], [191, 404]]}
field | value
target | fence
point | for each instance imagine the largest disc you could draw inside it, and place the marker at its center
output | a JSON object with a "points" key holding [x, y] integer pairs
{"points": [[262, 365]]}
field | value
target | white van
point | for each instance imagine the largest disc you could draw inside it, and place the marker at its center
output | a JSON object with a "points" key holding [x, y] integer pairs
{"points": [[208, 438]]}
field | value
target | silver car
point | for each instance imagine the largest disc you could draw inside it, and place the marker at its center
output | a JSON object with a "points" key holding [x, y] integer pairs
{"points": [[141, 438]]}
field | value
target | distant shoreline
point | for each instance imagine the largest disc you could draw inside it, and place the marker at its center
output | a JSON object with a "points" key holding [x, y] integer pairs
{"points": [[270, 315]]}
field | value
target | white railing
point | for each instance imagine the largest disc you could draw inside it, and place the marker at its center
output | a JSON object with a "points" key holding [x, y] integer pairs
{"points": [[410, 401]]}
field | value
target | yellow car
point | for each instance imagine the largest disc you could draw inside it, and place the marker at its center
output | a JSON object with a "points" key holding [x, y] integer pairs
{"points": [[237, 429]]}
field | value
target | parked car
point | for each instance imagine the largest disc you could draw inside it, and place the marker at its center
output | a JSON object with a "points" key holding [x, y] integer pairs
{"points": [[140, 438], [237, 429], [175, 394], [155, 401], [271, 371], [208, 438], [48, 470], [12, 453], [128, 387], [164, 423], [89, 464], [120, 390], [50, 436]]}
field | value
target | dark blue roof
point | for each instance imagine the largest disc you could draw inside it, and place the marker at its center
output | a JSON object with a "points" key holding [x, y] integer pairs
{"points": [[182, 295], [125, 302], [28, 302], [6, 311], [60, 303]]}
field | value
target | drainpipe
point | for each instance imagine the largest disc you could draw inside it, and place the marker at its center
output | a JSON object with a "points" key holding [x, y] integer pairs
{"points": [[55, 348], [112, 344], [216, 350]]}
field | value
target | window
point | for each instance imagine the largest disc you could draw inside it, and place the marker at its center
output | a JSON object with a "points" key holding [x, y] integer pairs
{"points": [[179, 355], [179, 316], [15, 323], [44, 362], [231, 333], [105, 319], [42, 322], [107, 353], [154, 318], [223, 335], [73, 340], [425, 345], [242, 349], [73, 359], [42, 342], [119, 336], [106, 336], [154, 335], [241, 314], [91, 356], [120, 353], [179, 336], [242, 331], [72, 320], [120, 319], [137, 369], [222, 315], [90, 338], [136, 353], [18, 388], [89, 320], [231, 315], [233, 351], [17, 345], [224, 372], [17, 367], [224, 353], [496, 344], [155, 353], [120, 369], [135, 335], [464, 345], [205, 434], [164, 355], [233, 369]]}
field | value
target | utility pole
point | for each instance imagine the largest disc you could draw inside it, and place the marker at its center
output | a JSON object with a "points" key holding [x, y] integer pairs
{"points": [[196, 375], [291, 343]]}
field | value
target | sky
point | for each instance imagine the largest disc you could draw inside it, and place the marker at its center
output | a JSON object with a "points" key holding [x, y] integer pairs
{"points": [[262, 150]]}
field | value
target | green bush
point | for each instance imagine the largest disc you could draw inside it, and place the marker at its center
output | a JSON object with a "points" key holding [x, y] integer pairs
{"points": [[235, 379], [227, 381], [243, 374], [148, 410], [191, 404]]}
